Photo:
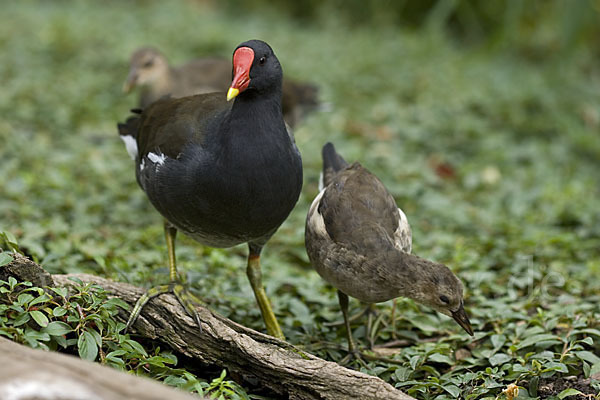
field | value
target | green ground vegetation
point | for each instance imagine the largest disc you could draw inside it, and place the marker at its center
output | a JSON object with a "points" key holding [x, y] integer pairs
{"points": [[492, 148]]}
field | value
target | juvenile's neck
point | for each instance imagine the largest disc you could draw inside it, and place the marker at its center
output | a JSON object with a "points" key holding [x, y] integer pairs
{"points": [[407, 273], [163, 85]]}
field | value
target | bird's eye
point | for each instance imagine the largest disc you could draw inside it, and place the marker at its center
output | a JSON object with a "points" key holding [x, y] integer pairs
{"points": [[444, 299], [262, 60], [148, 63]]}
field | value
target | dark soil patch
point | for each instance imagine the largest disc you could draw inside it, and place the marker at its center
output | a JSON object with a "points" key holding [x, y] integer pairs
{"points": [[549, 387]]}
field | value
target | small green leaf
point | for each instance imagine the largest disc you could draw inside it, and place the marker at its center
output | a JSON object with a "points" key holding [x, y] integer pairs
{"points": [[115, 301], [402, 374], [499, 359], [556, 366], [453, 390], [59, 311], [39, 317], [22, 319], [414, 360], [535, 339], [137, 347], [440, 358], [595, 370], [116, 353], [96, 336], [57, 328], [591, 331], [588, 340], [87, 347], [498, 341], [5, 258], [568, 392], [62, 342], [76, 280], [24, 298], [12, 282], [60, 291], [588, 356], [40, 299], [35, 335]]}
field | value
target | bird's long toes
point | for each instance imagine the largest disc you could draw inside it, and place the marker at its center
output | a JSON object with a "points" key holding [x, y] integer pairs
{"points": [[189, 302], [139, 305]]}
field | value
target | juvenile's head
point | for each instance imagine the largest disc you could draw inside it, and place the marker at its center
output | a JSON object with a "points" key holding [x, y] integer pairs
{"points": [[436, 286], [146, 67]]}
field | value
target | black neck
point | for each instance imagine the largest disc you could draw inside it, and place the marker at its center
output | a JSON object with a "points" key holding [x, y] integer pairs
{"points": [[259, 112]]}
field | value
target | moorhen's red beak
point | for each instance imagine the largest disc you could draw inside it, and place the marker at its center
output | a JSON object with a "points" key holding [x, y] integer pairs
{"points": [[242, 61]]}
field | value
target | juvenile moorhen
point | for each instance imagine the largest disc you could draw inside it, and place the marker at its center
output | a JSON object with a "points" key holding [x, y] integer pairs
{"points": [[221, 172], [150, 70], [357, 239]]}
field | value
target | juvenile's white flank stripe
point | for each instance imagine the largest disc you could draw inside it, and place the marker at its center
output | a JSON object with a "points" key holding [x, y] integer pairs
{"points": [[315, 219], [130, 145]]}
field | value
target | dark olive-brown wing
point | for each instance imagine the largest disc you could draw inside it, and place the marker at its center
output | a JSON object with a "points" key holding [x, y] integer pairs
{"points": [[168, 124], [358, 211]]}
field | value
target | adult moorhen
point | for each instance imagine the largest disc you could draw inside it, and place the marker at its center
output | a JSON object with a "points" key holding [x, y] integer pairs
{"points": [[150, 70], [223, 173], [359, 241]]}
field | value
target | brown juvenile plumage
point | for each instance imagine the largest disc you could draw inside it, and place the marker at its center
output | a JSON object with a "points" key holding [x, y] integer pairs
{"points": [[359, 241], [150, 70]]}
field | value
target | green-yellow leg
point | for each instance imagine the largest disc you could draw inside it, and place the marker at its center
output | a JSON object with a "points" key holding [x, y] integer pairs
{"points": [[255, 278], [370, 323], [183, 295], [343, 298], [393, 318], [352, 349]]}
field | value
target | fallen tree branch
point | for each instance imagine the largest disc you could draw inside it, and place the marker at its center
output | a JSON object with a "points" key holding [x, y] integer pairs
{"points": [[283, 368], [28, 374]]}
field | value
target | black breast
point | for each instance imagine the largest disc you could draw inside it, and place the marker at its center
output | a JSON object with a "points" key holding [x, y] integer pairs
{"points": [[223, 195]]}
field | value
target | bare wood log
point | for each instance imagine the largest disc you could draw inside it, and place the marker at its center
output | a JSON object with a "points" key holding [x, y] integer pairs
{"points": [[24, 269], [28, 374], [283, 368]]}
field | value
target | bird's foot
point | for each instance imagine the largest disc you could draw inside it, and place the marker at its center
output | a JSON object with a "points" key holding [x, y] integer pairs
{"points": [[354, 356], [187, 300]]}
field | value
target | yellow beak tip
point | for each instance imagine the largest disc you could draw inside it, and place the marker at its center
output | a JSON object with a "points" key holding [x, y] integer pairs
{"points": [[232, 93]]}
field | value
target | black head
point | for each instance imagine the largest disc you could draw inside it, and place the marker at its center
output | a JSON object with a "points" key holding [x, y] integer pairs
{"points": [[256, 69]]}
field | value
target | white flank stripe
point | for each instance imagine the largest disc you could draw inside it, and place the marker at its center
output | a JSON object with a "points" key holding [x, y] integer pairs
{"points": [[157, 158], [130, 145]]}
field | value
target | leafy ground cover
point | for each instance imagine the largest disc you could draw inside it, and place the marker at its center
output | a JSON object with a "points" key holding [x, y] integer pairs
{"points": [[493, 153]]}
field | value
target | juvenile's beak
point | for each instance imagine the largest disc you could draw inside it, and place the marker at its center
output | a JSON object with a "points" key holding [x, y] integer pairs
{"points": [[461, 318], [242, 61], [130, 81]]}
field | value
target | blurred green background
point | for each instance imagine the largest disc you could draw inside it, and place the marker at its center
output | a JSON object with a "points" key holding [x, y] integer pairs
{"points": [[481, 117]]}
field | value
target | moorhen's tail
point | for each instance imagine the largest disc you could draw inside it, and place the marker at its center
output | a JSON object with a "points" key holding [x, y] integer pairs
{"points": [[332, 164], [128, 132]]}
